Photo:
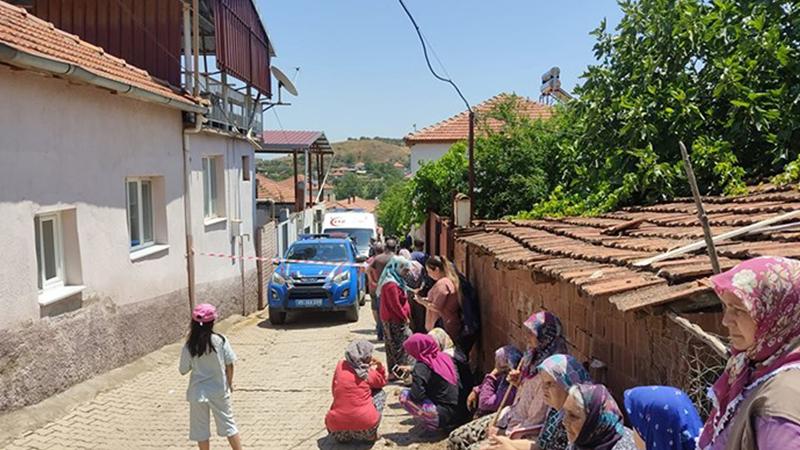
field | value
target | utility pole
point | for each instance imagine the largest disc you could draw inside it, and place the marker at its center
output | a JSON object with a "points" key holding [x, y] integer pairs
{"points": [[471, 156]]}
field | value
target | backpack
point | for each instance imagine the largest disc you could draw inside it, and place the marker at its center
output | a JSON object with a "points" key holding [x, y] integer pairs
{"points": [[470, 308]]}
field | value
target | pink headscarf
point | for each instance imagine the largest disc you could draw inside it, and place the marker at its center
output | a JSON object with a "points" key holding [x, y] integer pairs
{"points": [[769, 289], [424, 349]]}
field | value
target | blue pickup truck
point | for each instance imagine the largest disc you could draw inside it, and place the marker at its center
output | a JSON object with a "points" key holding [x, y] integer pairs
{"points": [[318, 273]]}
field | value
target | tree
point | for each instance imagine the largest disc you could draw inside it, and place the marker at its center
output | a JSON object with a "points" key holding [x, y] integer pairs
{"points": [[349, 185], [395, 211]]}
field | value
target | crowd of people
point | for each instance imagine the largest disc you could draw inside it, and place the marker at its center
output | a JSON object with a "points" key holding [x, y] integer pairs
{"points": [[541, 398]]}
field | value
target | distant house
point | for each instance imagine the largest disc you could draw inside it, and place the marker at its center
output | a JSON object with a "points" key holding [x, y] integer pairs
{"points": [[399, 165], [431, 143], [116, 180], [273, 196], [353, 203]]}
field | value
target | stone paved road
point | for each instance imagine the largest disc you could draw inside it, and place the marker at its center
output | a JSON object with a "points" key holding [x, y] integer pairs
{"points": [[282, 384]]}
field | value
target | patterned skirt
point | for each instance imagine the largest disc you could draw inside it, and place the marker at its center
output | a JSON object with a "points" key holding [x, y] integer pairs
{"points": [[471, 435], [395, 334], [425, 414], [369, 435]]}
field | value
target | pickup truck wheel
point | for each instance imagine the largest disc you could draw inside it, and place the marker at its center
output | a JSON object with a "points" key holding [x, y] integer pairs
{"points": [[352, 314], [277, 317]]}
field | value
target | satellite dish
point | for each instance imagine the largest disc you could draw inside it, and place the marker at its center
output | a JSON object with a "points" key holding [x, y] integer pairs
{"points": [[284, 81]]}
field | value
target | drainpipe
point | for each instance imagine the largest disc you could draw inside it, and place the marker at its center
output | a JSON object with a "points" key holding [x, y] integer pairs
{"points": [[187, 205]]}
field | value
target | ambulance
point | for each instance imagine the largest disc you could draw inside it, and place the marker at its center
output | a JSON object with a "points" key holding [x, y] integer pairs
{"points": [[356, 223]]}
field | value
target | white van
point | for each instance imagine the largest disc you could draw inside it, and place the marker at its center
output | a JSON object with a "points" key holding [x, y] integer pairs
{"points": [[358, 224]]}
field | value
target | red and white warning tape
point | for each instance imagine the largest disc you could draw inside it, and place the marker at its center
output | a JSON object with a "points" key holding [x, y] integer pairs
{"points": [[278, 260]]}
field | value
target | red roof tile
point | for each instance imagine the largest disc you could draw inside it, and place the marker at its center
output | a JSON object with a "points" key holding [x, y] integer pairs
{"points": [[582, 250], [456, 128], [29, 34], [279, 191]]}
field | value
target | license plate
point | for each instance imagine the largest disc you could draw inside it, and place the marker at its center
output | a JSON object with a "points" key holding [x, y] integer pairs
{"points": [[308, 303]]}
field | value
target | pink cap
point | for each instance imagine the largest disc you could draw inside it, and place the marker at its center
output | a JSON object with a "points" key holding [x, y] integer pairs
{"points": [[204, 313]]}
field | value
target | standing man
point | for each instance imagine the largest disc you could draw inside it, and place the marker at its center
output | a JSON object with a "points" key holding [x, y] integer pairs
{"points": [[374, 271]]}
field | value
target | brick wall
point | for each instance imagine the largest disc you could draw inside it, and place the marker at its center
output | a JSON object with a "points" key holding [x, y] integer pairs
{"points": [[634, 348]]}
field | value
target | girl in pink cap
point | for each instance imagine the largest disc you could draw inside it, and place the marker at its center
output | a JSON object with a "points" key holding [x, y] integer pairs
{"points": [[209, 356]]}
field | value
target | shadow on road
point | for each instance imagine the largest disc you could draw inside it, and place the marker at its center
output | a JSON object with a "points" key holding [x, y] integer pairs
{"points": [[328, 443], [302, 320]]}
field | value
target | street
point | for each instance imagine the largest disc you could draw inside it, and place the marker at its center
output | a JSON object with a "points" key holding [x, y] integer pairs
{"points": [[282, 392]]}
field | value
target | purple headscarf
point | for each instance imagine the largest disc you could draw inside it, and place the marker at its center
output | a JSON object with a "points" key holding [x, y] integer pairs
{"points": [[549, 334], [425, 349]]}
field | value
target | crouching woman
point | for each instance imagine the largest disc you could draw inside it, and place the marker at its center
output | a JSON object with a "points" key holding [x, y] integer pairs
{"points": [[358, 396]]}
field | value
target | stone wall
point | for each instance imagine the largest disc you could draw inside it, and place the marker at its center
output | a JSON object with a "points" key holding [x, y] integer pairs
{"points": [[628, 349], [43, 357]]}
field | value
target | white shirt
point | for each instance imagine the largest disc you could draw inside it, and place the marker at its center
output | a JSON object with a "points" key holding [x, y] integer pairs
{"points": [[208, 378]]}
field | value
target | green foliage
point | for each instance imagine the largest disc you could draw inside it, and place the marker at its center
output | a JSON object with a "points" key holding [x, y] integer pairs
{"points": [[395, 211], [349, 185], [379, 177]]}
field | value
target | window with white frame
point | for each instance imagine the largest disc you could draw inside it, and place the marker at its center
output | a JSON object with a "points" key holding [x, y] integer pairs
{"points": [[49, 251], [140, 212], [213, 182]]}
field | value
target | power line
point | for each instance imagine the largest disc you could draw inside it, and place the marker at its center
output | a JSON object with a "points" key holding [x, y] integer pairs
{"points": [[428, 60]]}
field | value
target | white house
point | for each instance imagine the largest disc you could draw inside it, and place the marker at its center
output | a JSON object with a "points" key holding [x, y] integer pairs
{"points": [[431, 143], [113, 190]]}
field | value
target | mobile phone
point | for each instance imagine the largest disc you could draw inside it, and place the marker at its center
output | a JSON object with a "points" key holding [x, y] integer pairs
{"points": [[398, 372]]}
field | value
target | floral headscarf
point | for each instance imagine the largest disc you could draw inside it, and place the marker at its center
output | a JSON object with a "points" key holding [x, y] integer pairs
{"points": [[603, 426], [664, 417], [359, 354], [392, 273], [547, 328], [565, 369], [507, 357], [441, 337], [769, 289]]}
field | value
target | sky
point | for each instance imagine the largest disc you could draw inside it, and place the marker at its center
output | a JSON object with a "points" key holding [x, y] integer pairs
{"points": [[362, 71]]}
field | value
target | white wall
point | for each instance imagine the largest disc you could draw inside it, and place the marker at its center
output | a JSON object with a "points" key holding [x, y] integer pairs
{"points": [[63, 145], [426, 153], [239, 204]]}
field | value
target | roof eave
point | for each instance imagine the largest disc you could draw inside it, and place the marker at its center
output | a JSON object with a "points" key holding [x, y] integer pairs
{"points": [[26, 60]]}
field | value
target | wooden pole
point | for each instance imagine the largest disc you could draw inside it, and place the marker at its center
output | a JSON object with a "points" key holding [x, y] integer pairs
{"points": [[505, 396], [701, 212]]}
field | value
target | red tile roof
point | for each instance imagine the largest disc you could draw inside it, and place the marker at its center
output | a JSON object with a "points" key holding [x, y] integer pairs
{"points": [[591, 254], [356, 203], [456, 128], [29, 34], [279, 191]]}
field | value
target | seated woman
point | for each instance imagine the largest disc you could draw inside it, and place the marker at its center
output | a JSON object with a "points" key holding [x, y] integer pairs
{"points": [[593, 420], [433, 397], [663, 418], [757, 397], [524, 418], [486, 398], [559, 373], [358, 395]]}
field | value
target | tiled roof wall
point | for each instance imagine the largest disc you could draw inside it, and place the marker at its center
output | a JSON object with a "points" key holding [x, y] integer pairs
{"points": [[577, 249]]}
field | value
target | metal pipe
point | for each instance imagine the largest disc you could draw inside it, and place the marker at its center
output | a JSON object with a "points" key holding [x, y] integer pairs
{"points": [[187, 206], [187, 46], [18, 58]]}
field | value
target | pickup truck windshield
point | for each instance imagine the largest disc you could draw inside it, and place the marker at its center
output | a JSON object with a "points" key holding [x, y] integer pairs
{"points": [[313, 251]]}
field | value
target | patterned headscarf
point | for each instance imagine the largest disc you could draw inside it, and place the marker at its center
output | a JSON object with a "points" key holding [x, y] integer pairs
{"points": [[664, 417], [359, 354], [507, 357], [547, 328], [769, 289], [414, 277], [603, 426], [565, 369], [392, 273], [443, 339]]}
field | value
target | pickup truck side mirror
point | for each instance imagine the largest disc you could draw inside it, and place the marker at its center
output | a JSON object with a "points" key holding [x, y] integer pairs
{"points": [[361, 259]]}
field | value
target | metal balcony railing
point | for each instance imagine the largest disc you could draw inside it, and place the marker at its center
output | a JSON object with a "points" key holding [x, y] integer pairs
{"points": [[230, 109]]}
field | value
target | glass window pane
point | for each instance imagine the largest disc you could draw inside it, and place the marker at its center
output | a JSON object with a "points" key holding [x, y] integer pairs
{"points": [[212, 163], [49, 250], [133, 213], [206, 188], [147, 212], [38, 251]]}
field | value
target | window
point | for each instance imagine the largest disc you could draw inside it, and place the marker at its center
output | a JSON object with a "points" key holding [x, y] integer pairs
{"points": [[140, 212], [245, 168], [213, 194], [49, 251]]}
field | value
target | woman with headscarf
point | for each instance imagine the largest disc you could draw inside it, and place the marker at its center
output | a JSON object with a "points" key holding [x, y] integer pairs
{"points": [[485, 398], [395, 312], [559, 373], [358, 395], [525, 416], [757, 398], [433, 397], [663, 418], [593, 420]]}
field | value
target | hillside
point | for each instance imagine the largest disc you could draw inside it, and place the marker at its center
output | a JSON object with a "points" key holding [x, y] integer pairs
{"points": [[347, 153]]}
